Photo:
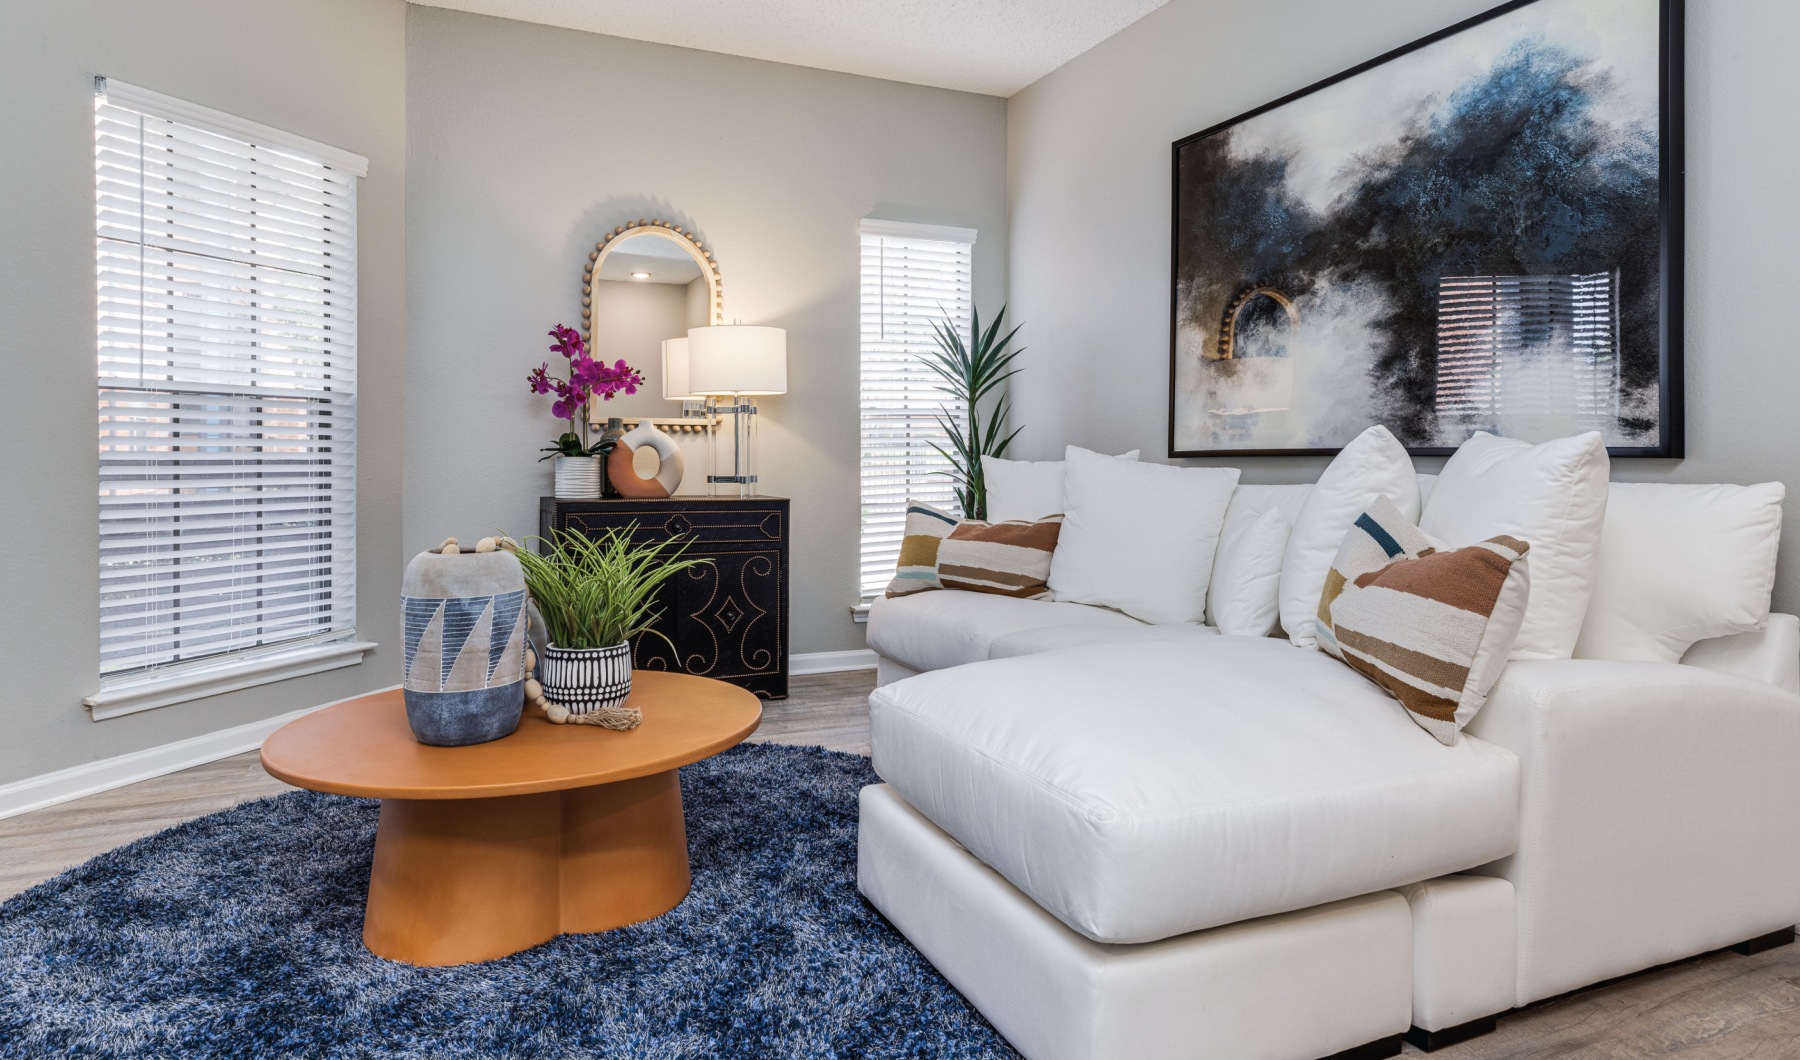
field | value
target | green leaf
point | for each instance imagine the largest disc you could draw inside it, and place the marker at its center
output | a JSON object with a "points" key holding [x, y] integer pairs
{"points": [[601, 591], [970, 372]]}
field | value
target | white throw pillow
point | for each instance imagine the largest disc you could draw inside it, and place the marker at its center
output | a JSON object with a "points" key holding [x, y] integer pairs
{"points": [[1245, 596], [1373, 465], [1026, 489], [1552, 497], [1139, 537], [1680, 564]]}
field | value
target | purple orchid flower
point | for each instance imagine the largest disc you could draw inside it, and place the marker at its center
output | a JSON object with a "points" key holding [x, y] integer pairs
{"points": [[586, 378]]}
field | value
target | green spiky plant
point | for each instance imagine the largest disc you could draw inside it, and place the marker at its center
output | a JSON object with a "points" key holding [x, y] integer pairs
{"points": [[970, 372], [601, 591]]}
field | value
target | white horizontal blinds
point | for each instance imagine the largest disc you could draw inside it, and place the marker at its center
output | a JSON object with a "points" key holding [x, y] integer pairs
{"points": [[1513, 350], [913, 276], [227, 383]]}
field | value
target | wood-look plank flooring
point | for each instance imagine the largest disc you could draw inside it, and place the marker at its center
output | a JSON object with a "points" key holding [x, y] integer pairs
{"points": [[1721, 1007]]}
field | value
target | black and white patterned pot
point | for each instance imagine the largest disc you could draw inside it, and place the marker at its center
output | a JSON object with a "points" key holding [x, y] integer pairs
{"points": [[586, 679]]}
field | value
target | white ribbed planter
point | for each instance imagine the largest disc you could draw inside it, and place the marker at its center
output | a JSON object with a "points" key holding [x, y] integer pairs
{"points": [[577, 478], [586, 679]]}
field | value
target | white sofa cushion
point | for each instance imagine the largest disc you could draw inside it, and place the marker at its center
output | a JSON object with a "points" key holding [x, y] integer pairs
{"points": [[1140, 791], [1139, 537], [1244, 599], [1373, 465], [1680, 564], [1552, 497], [1026, 489], [1310, 983], [1286, 499], [1056, 638], [936, 630]]}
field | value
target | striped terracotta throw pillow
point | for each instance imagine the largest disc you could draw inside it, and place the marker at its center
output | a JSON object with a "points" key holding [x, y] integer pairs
{"points": [[1433, 628], [940, 551]]}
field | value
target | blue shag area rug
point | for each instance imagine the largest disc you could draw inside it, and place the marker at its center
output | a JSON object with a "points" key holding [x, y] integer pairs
{"points": [[240, 935]]}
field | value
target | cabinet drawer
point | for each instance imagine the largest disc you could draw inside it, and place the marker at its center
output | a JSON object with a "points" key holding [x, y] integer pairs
{"points": [[745, 526]]}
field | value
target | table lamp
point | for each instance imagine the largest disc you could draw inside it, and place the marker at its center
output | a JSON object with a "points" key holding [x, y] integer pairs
{"points": [[675, 371], [735, 361]]}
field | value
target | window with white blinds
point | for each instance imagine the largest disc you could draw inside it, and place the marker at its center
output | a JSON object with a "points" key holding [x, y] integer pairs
{"points": [[1522, 354], [913, 276], [227, 385]]}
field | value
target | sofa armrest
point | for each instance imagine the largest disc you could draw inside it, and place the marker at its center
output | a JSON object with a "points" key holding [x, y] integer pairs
{"points": [[1771, 654], [1659, 814]]}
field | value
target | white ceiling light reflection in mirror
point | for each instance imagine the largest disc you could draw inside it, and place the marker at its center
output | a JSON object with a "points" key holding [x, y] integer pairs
{"points": [[648, 258], [994, 47]]}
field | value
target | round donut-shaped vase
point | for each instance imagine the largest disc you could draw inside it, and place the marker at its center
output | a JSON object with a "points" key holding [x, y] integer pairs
{"points": [[623, 475]]}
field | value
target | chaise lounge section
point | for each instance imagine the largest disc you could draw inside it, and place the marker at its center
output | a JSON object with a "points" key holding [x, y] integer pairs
{"points": [[1126, 839]]}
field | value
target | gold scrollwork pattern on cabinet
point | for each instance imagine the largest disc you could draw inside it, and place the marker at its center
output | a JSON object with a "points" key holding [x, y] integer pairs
{"points": [[725, 620]]}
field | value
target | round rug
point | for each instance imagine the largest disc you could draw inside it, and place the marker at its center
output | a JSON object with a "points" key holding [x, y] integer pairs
{"points": [[239, 934]]}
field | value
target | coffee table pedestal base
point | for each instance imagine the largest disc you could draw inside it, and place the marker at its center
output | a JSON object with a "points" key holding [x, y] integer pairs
{"points": [[462, 880]]}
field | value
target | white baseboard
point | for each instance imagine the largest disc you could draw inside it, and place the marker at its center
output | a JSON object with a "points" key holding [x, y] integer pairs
{"points": [[830, 662], [90, 778], [35, 793]]}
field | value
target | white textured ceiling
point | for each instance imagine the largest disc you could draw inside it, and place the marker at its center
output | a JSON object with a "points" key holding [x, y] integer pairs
{"points": [[991, 46]]}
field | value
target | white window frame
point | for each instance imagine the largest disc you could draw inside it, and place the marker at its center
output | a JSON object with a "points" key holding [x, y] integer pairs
{"points": [[226, 296], [911, 275]]}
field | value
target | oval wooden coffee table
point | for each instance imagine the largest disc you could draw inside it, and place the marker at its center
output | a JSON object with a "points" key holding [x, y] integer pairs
{"points": [[486, 850]]}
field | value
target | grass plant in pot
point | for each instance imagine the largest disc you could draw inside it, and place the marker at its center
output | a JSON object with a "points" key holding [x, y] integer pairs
{"points": [[594, 595]]}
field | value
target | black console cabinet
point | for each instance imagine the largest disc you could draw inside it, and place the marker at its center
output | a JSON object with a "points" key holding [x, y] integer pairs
{"points": [[727, 619]]}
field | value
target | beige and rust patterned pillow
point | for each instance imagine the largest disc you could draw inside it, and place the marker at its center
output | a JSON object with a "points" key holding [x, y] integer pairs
{"points": [[940, 551], [1377, 538], [1432, 628]]}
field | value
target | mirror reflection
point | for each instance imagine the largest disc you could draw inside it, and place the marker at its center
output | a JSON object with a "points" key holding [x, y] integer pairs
{"points": [[649, 285]]}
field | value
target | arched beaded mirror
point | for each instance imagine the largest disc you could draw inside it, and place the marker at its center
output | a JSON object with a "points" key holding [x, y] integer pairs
{"points": [[647, 281], [631, 281]]}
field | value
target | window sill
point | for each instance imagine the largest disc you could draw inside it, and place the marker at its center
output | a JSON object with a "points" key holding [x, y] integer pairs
{"points": [[162, 690], [860, 614]]}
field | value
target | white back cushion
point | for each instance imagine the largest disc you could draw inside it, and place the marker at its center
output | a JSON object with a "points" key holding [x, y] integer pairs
{"points": [[1139, 537], [1025, 489], [1553, 497], [1288, 500], [1425, 484], [1374, 464], [1244, 599], [1680, 564]]}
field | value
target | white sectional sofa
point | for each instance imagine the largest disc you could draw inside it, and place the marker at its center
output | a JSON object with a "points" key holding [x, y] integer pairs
{"points": [[1120, 839]]}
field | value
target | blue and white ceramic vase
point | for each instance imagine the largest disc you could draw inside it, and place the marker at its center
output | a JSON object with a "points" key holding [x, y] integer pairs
{"points": [[465, 623]]}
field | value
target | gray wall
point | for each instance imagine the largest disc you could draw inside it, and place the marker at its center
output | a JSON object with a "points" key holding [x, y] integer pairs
{"points": [[327, 69], [527, 142], [1088, 168]]}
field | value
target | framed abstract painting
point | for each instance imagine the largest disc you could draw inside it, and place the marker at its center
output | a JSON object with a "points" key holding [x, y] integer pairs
{"points": [[1481, 231]]}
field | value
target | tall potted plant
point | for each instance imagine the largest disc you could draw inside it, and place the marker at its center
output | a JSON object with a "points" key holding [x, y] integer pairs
{"points": [[970, 372], [577, 470], [595, 594]]}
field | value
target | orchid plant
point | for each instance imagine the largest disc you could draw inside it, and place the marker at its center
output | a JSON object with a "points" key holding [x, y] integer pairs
{"points": [[587, 377]]}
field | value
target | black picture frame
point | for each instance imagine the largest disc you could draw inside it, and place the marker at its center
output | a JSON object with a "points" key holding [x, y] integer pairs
{"points": [[1671, 185]]}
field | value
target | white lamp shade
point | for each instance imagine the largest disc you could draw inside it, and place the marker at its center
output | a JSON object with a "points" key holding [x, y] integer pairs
{"points": [[675, 370], [737, 359]]}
